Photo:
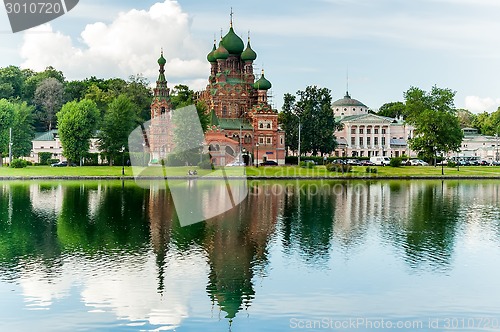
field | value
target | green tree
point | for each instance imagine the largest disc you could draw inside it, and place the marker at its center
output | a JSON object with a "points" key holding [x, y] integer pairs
{"points": [[483, 122], [203, 115], [11, 82], [140, 94], [392, 110], [22, 129], [466, 118], [74, 90], [6, 121], [495, 122], [188, 138], [182, 96], [318, 124], [118, 123], [289, 122], [49, 97], [437, 128], [77, 123], [100, 97], [33, 80]]}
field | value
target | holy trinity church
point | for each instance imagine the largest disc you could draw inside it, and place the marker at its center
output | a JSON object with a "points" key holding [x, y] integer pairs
{"points": [[242, 122]]}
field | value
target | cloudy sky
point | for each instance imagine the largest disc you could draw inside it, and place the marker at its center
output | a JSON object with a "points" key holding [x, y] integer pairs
{"points": [[386, 46]]}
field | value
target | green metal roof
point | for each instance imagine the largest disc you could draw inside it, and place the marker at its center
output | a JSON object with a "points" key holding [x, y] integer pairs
{"points": [[235, 124], [162, 61], [248, 54], [262, 83], [233, 43], [46, 136], [211, 56]]}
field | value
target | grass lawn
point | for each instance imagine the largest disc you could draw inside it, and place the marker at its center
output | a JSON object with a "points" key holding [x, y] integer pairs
{"points": [[269, 171], [387, 171]]}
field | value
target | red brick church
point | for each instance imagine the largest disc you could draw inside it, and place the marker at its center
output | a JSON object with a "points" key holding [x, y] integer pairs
{"points": [[240, 114]]}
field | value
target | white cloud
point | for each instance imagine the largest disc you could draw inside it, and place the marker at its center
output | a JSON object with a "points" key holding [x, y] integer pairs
{"points": [[129, 45], [477, 104]]}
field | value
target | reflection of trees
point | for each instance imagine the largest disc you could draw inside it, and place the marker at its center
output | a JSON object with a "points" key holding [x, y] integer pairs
{"points": [[432, 222], [24, 234], [115, 219], [308, 216]]}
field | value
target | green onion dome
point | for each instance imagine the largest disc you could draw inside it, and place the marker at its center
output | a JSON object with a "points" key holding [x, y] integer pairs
{"points": [[221, 52], [211, 56], [248, 54], [233, 43], [262, 83], [161, 60]]}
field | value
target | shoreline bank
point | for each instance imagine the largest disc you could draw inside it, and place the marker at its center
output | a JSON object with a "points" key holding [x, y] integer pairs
{"points": [[331, 178]]}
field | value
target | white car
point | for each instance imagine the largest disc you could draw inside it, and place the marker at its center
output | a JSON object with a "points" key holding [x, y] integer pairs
{"points": [[236, 163], [418, 162], [380, 161]]}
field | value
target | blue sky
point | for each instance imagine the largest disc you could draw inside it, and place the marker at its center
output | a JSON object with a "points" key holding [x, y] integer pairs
{"points": [[385, 45]]}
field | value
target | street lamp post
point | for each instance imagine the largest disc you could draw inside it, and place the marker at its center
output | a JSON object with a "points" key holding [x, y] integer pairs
{"points": [[442, 163], [122, 150], [143, 154], [298, 148], [496, 136], [257, 156], [244, 166], [10, 146], [435, 156], [241, 127]]}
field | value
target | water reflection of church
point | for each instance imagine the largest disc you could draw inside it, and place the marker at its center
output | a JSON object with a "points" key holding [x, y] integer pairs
{"points": [[235, 244], [241, 118]]}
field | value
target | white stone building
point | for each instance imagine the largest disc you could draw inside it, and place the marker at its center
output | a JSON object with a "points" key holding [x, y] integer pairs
{"points": [[49, 142], [476, 145], [366, 134]]}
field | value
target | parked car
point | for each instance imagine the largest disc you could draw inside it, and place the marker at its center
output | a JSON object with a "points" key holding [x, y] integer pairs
{"points": [[485, 163], [269, 163], [418, 162], [62, 164], [366, 163], [380, 161], [354, 162], [236, 163], [310, 161]]}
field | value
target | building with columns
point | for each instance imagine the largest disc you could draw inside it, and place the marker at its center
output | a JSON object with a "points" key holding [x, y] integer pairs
{"points": [[366, 134]]}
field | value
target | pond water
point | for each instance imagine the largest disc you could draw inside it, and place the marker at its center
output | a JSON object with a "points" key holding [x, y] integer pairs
{"points": [[297, 255]]}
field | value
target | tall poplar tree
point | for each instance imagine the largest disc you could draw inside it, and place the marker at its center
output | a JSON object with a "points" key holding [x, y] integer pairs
{"points": [[77, 123]]}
